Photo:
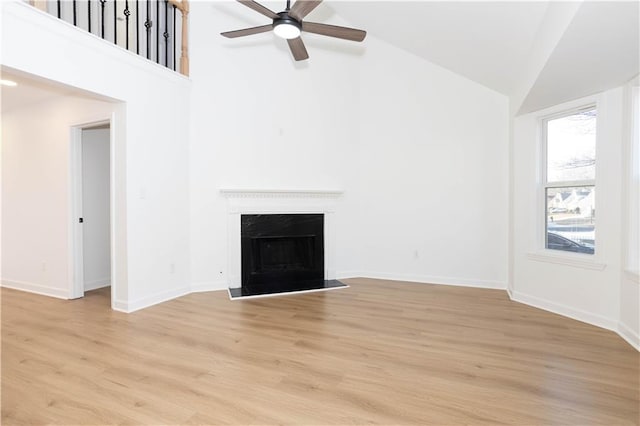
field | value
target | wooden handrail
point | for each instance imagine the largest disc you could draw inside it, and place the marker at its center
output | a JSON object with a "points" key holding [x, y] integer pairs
{"points": [[39, 4], [181, 5]]}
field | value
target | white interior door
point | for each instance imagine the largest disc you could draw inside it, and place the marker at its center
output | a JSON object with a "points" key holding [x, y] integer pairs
{"points": [[96, 245]]}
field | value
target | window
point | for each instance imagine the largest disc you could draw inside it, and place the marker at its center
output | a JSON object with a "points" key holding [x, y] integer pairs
{"points": [[633, 242], [570, 181]]}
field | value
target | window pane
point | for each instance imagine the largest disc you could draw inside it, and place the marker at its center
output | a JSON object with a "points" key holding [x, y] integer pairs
{"points": [[571, 219], [571, 147]]}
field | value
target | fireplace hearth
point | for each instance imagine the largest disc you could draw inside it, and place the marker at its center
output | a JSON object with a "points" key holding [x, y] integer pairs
{"points": [[282, 253]]}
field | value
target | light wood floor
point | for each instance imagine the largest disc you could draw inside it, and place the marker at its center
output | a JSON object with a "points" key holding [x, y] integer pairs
{"points": [[379, 352]]}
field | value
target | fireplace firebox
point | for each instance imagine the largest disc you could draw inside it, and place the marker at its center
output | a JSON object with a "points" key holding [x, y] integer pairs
{"points": [[281, 252]]}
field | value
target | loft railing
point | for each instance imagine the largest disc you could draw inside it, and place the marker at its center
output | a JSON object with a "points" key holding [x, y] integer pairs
{"points": [[150, 28]]}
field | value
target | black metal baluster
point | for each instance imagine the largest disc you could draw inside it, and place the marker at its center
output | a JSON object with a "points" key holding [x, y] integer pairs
{"points": [[147, 25], [74, 13], [115, 22], [137, 28], [174, 37], [59, 9], [102, 2], [126, 18], [166, 33], [158, 31], [89, 14]]}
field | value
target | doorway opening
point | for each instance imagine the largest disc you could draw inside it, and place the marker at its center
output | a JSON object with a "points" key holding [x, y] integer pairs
{"points": [[91, 217]]}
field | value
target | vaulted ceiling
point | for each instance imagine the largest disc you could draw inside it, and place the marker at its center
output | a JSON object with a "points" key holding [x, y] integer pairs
{"points": [[598, 51], [487, 42], [539, 53]]}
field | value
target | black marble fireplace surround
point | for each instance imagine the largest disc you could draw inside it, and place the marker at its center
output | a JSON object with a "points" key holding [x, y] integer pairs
{"points": [[282, 253]]}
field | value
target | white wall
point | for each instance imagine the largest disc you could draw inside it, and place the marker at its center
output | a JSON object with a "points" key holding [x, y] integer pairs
{"points": [[432, 173], [96, 256], [420, 152], [151, 134], [579, 286], [36, 192], [261, 121]]}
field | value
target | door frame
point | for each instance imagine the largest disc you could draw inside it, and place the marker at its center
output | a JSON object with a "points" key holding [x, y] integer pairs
{"points": [[76, 267]]}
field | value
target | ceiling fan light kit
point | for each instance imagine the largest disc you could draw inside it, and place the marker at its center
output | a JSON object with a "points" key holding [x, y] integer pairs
{"points": [[288, 25]]}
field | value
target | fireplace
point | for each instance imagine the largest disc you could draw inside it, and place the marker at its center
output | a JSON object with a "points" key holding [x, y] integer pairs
{"points": [[281, 252], [273, 206]]}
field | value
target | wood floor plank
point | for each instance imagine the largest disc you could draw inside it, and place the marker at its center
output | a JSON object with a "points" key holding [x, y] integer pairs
{"points": [[379, 352]]}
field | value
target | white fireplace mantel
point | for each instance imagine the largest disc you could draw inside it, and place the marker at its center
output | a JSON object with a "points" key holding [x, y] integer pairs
{"points": [[278, 201]]}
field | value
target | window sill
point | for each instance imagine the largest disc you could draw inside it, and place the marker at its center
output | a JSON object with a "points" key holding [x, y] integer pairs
{"points": [[632, 275], [576, 261]]}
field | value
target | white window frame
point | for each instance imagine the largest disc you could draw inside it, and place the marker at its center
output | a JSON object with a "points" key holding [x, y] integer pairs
{"points": [[545, 184], [631, 249]]}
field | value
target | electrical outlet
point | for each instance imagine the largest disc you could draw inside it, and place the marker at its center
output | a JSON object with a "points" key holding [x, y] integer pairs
{"points": [[172, 268], [43, 267], [416, 254]]}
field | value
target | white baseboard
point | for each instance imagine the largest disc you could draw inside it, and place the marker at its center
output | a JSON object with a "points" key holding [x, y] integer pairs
{"points": [[348, 274], [148, 301], [96, 284], [632, 337], [119, 305], [565, 310], [427, 279], [631, 275], [208, 286], [510, 292], [37, 288]]}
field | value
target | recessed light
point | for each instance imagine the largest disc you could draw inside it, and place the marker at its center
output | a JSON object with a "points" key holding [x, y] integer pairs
{"points": [[8, 83]]}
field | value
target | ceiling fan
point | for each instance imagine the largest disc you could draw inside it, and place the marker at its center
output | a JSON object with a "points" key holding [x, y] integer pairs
{"points": [[289, 23]]}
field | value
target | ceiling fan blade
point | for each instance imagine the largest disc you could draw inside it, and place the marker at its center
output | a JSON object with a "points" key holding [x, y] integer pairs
{"points": [[247, 31], [334, 31], [259, 8], [302, 8], [297, 49]]}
